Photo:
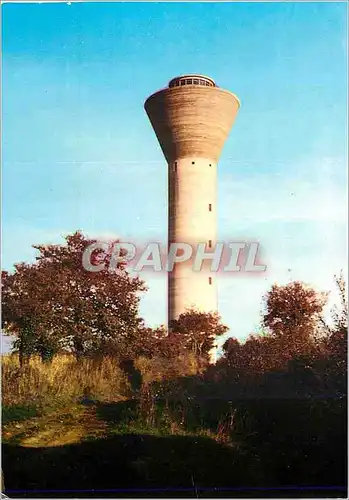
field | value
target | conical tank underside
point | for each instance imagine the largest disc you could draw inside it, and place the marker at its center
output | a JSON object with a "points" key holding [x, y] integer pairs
{"points": [[192, 121]]}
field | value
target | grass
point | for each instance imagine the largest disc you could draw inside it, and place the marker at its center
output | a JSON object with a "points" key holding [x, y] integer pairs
{"points": [[66, 380], [97, 447], [61, 382], [18, 413], [55, 428], [54, 439], [77, 423]]}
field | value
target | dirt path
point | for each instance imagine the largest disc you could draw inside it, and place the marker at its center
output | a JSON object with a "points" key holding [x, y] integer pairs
{"points": [[67, 426]]}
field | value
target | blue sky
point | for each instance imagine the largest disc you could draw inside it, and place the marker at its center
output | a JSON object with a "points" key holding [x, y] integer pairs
{"points": [[79, 151]]}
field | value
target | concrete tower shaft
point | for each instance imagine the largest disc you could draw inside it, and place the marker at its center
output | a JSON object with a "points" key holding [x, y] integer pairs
{"points": [[192, 119]]}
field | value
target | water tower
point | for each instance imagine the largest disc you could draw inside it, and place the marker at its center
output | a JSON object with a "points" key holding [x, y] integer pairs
{"points": [[192, 118]]}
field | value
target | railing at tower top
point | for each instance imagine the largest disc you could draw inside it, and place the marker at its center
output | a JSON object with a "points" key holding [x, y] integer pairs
{"points": [[191, 80]]}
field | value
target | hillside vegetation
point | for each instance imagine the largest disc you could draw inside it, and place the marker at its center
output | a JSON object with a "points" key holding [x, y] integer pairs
{"points": [[96, 404]]}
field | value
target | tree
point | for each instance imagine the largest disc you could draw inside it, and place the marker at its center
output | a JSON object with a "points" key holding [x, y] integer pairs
{"points": [[64, 304], [291, 315], [25, 310], [336, 341], [197, 331], [339, 329], [258, 354], [232, 350]]}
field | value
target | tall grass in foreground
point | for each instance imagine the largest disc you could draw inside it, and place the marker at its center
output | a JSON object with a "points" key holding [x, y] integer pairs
{"points": [[63, 381], [31, 390]]}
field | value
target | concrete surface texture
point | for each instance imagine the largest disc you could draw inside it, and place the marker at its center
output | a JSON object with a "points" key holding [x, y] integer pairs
{"points": [[192, 119]]}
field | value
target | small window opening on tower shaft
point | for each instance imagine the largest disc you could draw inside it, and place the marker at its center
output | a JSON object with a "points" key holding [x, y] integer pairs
{"points": [[210, 280], [210, 207]]}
